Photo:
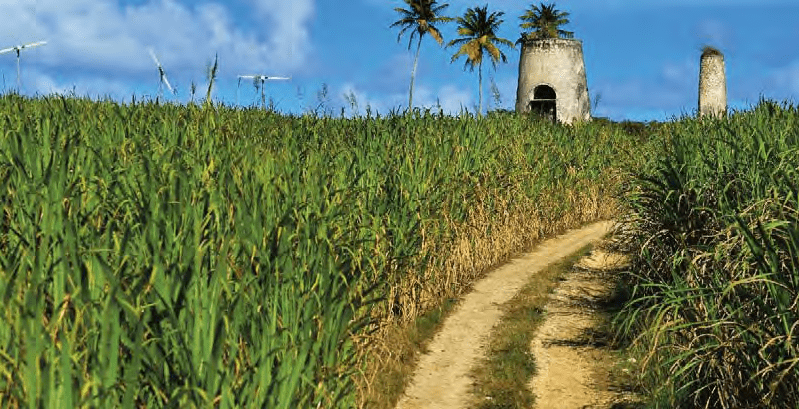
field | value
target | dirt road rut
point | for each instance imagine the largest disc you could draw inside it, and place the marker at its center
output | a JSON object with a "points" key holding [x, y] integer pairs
{"points": [[441, 379], [573, 365]]}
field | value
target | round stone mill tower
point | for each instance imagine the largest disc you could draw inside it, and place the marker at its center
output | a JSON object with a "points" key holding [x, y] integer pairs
{"points": [[712, 83], [552, 80]]}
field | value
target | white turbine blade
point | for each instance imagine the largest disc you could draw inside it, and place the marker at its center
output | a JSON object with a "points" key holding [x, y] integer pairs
{"points": [[152, 54], [166, 81], [161, 70], [20, 47], [264, 77], [33, 44]]}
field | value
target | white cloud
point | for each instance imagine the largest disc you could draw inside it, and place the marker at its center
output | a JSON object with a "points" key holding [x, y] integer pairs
{"points": [[102, 35], [362, 101], [451, 98], [290, 37], [95, 88]]}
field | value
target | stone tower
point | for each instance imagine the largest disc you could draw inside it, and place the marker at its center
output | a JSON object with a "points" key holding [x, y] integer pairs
{"points": [[552, 80], [712, 83]]}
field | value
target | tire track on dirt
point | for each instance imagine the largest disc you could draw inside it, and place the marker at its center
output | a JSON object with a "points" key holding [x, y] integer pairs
{"points": [[441, 379], [573, 365]]}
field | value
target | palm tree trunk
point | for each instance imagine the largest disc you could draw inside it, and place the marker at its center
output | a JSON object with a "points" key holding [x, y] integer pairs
{"points": [[413, 73], [480, 89]]}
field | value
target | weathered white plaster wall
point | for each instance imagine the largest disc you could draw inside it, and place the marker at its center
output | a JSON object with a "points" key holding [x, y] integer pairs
{"points": [[559, 63]]}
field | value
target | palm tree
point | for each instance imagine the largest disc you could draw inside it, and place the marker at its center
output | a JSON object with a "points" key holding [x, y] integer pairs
{"points": [[478, 30], [421, 17], [545, 20]]}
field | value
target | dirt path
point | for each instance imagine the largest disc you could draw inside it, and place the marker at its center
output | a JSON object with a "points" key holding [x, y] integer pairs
{"points": [[572, 361], [441, 379]]}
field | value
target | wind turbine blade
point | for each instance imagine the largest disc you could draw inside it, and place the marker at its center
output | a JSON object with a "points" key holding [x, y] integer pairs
{"points": [[166, 81], [20, 47], [152, 54], [34, 44], [264, 77], [161, 71]]}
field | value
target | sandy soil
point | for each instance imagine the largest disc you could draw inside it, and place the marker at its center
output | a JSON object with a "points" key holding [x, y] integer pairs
{"points": [[441, 379], [572, 360]]}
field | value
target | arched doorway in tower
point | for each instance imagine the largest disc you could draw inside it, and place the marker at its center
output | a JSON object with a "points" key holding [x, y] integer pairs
{"points": [[544, 102]]}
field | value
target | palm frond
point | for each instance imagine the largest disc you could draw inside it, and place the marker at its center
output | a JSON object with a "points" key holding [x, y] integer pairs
{"points": [[458, 41], [504, 41], [436, 34], [477, 28], [466, 32], [421, 16], [494, 52], [544, 20]]}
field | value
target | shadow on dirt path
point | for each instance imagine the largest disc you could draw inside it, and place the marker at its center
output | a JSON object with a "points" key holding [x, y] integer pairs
{"points": [[574, 361]]}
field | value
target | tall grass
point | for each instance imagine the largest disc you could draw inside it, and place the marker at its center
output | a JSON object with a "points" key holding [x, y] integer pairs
{"points": [[177, 256], [145, 262], [714, 222]]}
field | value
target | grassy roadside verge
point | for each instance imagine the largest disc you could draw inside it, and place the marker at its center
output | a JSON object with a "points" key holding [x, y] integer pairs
{"points": [[501, 378], [409, 341]]}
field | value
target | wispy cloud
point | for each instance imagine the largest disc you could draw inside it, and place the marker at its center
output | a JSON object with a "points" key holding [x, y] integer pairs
{"points": [[356, 101], [451, 98], [101, 34], [98, 88], [289, 20]]}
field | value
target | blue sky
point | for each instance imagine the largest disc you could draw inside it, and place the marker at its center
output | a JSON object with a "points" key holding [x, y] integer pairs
{"points": [[641, 56]]}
